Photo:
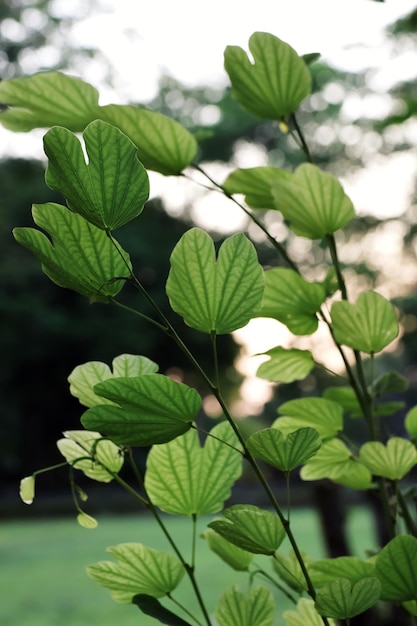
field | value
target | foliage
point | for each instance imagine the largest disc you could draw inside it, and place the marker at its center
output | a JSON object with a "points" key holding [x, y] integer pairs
{"points": [[217, 293]]}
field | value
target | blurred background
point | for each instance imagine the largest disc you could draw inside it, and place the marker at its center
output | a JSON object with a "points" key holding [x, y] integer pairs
{"points": [[360, 123]]}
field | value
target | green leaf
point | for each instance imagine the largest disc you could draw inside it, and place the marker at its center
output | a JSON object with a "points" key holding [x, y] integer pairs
{"points": [[350, 567], [292, 300], [186, 479], [285, 366], [151, 606], [411, 422], [305, 615], [255, 183], [285, 453], [396, 569], [323, 415], [313, 202], [392, 461], [27, 489], [369, 325], [346, 397], [79, 257], [140, 570], [341, 600], [84, 377], [111, 188], [275, 84], [289, 570], [163, 144], [255, 608], [234, 556], [411, 606], [87, 451], [390, 382], [151, 409], [335, 461], [250, 528], [86, 521], [222, 295], [47, 99]]}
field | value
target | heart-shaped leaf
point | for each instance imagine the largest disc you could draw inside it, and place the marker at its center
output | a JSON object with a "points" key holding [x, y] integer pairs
{"points": [[275, 84], [390, 382], [396, 569], [255, 608], [368, 325], [151, 409], [140, 570], [305, 615], [285, 453], [163, 144], [313, 202], [80, 257], [237, 558], [335, 461], [251, 528], [292, 300], [87, 451], [346, 397], [84, 377], [350, 567], [255, 183], [47, 99], [185, 479], [392, 461], [223, 295], [289, 570], [341, 600], [108, 191], [285, 366], [151, 606], [325, 416]]}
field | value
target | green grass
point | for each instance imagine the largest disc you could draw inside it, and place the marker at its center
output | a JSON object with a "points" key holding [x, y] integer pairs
{"points": [[42, 567]]}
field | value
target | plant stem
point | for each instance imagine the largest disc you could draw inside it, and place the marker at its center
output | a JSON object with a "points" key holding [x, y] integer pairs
{"points": [[274, 582], [410, 522], [183, 608], [300, 134]]}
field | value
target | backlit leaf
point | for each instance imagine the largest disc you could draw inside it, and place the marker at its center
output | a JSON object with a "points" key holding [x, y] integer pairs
{"points": [[223, 294], [392, 461], [335, 461], [47, 99], [255, 608], [305, 615], [111, 188], [231, 554], [27, 489], [151, 409], [411, 422], [139, 570], [78, 256], [163, 144], [84, 377], [184, 478], [342, 600], [323, 415], [289, 570], [292, 300], [368, 325], [87, 451], [251, 528], [255, 183], [285, 366], [275, 84], [86, 521], [396, 569], [351, 567], [285, 453], [313, 202]]}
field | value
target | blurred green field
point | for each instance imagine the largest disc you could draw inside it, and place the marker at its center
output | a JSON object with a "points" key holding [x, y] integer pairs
{"points": [[42, 566]]}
